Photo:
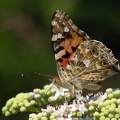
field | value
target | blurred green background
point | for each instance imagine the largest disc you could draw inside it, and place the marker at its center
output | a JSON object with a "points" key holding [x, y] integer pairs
{"points": [[25, 40]]}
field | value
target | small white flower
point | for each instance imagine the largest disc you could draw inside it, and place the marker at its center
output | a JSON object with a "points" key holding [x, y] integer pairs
{"points": [[61, 91], [58, 113], [66, 117], [82, 108], [101, 98], [48, 110], [74, 106], [78, 95]]}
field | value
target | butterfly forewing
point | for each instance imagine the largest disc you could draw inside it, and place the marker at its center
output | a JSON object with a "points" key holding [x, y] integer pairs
{"points": [[66, 37]]}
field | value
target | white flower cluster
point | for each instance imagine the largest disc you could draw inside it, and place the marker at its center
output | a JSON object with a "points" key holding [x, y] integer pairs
{"points": [[58, 104]]}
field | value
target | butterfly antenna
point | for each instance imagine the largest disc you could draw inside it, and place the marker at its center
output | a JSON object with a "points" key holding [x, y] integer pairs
{"points": [[41, 74], [35, 75], [24, 75], [50, 77]]}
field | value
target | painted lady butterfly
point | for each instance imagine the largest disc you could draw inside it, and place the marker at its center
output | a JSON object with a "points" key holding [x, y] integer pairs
{"points": [[81, 61]]}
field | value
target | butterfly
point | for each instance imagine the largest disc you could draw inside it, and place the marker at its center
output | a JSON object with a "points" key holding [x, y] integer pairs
{"points": [[81, 62]]}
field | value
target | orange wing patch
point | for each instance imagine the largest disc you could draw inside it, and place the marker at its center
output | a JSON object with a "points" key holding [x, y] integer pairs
{"points": [[70, 45]]}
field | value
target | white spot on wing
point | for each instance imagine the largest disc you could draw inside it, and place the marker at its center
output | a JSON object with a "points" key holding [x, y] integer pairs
{"points": [[69, 67], [70, 22], [58, 36], [59, 54], [66, 29], [53, 23], [86, 62], [54, 37]]}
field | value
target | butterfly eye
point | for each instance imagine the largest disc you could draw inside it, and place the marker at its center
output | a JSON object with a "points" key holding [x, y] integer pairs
{"points": [[93, 51], [104, 63]]}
